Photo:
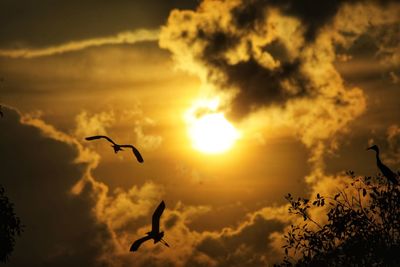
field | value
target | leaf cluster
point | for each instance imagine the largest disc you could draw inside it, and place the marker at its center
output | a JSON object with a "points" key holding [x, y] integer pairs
{"points": [[362, 229], [10, 226]]}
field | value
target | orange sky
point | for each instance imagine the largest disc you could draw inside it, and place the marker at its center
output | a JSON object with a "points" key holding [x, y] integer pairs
{"points": [[308, 93]]}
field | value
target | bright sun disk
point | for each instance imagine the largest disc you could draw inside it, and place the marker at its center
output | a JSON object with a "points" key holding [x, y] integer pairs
{"points": [[213, 133]]}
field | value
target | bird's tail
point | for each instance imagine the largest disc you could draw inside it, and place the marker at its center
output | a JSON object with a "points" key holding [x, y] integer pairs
{"points": [[164, 242]]}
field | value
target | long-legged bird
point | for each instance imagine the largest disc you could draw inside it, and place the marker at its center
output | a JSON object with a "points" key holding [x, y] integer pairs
{"points": [[117, 147], [155, 233], [388, 173]]}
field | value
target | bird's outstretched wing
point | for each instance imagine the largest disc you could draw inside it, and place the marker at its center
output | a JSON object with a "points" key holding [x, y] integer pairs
{"points": [[90, 138], [135, 152], [155, 225], [135, 246]]}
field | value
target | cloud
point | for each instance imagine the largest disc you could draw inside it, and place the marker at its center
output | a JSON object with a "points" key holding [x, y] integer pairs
{"points": [[74, 219], [393, 140], [274, 63], [87, 125], [144, 129], [43, 24], [70, 217], [275, 60], [133, 120], [248, 244], [258, 239], [395, 78], [132, 37], [148, 142], [269, 66], [97, 225], [136, 221], [87, 223], [38, 172], [369, 30]]}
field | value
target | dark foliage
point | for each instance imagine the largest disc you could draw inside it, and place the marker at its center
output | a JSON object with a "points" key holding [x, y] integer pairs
{"points": [[10, 226], [363, 227]]}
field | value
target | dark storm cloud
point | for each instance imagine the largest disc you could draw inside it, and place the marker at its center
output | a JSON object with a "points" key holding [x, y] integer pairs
{"points": [[236, 46], [38, 173], [263, 86], [258, 84], [314, 15], [279, 57], [247, 246], [378, 44], [267, 52], [44, 23]]}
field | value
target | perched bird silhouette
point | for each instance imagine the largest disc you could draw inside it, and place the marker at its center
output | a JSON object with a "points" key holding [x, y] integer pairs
{"points": [[388, 173], [155, 233], [117, 147]]}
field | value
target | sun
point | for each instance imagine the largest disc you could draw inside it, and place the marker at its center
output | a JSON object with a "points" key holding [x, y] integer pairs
{"points": [[212, 133]]}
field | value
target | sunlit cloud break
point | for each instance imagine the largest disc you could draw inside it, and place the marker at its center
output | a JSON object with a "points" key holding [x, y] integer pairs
{"points": [[128, 37]]}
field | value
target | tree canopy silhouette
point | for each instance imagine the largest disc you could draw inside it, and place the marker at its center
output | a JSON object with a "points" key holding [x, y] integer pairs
{"points": [[362, 229], [10, 226]]}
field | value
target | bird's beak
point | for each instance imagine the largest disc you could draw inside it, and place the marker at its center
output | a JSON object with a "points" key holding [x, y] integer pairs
{"points": [[369, 148]]}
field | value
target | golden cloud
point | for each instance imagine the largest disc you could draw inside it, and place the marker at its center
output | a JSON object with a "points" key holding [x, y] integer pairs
{"points": [[133, 37]]}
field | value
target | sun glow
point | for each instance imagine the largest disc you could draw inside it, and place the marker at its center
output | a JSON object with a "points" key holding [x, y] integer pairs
{"points": [[213, 134], [209, 130]]}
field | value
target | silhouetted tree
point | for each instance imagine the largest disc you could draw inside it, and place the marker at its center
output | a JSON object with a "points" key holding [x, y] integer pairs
{"points": [[362, 229], [10, 226]]}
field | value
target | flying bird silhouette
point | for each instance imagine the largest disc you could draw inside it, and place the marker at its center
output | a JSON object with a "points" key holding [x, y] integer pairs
{"points": [[117, 147], [155, 233], [388, 173]]}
